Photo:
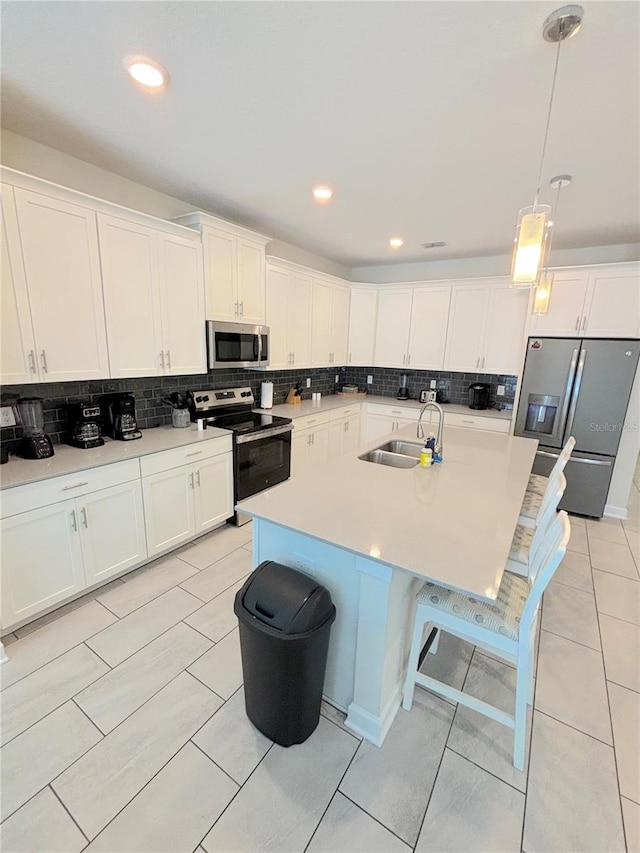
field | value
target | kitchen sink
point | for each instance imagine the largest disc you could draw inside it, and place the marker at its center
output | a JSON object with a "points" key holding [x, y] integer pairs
{"points": [[406, 448], [393, 460]]}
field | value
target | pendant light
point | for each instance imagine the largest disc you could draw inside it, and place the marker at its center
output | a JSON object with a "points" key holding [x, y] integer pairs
{"points": [[532, 232], [543, 290]]}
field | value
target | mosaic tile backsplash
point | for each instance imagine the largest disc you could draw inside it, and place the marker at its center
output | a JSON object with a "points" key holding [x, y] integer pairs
{"points": [[151, 411]]}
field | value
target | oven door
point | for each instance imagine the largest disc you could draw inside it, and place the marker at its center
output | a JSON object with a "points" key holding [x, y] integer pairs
{"points": [[262, 459], [237, 345]]}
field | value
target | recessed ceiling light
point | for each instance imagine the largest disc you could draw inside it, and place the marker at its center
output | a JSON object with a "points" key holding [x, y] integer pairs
{"points": [[396, 242], [322, 194], [438, 244], [146, 73]]}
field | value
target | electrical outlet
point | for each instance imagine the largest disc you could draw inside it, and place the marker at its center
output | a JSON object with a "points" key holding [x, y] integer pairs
{"points": [[500, 391], [303, 564], [433, 385], [369, 379], [7, 416], [337, 379], [308, 382]]}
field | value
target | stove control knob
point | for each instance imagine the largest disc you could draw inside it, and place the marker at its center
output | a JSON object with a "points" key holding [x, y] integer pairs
{"points": [[206, 398], [198, 399]]}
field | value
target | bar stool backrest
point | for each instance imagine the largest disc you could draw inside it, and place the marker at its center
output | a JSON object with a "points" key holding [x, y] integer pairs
{"points": [[549, 557]]}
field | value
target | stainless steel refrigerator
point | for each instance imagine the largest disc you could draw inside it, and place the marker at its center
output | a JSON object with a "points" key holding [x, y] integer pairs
{"points": [[579, 387]]}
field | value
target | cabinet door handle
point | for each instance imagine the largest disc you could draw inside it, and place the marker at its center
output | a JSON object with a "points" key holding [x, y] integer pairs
{"points": [[74, 521], [169, 359], [309, 440], [313, 438], [293, 358], [32, 361], [195, 453], [584, 322], [482, 365], [349, 358], [404, 359], [43, 359], [235, 308], [162, 359], [242, 309], [83, 512], [75, 486], [577, 322], [408, 359], [198, 479], [191, 481]]}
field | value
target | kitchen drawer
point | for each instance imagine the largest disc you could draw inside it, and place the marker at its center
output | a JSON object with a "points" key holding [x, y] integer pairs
{"points": [[396, 411], [340, 414], [168, 459], [311, 421], [35, 495], [470, 422]]}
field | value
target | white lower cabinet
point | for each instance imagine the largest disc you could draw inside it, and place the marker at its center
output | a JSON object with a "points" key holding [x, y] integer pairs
{"points": [[344, 433], [213, 491], [309, 444]]}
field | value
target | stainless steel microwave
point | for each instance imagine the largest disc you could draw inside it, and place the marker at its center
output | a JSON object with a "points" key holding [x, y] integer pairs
{"points": [[237, 345]]}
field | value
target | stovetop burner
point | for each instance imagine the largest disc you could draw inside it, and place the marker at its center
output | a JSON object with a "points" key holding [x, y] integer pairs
{"points": [[230, 408], [247, 422]]}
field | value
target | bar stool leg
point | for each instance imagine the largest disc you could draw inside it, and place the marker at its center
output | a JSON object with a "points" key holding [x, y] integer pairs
{"points": [[412, 666]]}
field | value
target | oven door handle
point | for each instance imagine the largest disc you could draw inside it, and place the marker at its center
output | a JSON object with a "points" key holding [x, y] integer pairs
{"points": [[263, 433]]}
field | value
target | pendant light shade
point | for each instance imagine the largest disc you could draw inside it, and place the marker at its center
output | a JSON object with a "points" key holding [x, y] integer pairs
{"points": [[543, 295], [533, 229]]}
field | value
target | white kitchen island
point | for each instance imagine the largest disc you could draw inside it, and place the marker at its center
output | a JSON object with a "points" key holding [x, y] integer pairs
{"points": [[372, 534]]}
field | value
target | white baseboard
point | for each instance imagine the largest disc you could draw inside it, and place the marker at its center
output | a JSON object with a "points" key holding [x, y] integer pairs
{"points": [[612, 511], [372, 728], [3, 654]]}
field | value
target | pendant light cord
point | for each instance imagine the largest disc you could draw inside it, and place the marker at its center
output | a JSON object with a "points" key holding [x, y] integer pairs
{"points": [[546, 132]]}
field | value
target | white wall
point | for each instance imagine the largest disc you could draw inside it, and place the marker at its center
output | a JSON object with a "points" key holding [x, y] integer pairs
{"points": [[620, 487], [26, 155]]}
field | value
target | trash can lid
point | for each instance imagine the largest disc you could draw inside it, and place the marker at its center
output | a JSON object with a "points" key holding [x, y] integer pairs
{"points": [[286, 599]]}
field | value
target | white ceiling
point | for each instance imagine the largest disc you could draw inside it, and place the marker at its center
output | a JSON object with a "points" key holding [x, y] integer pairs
{"points": [[426, 117]]}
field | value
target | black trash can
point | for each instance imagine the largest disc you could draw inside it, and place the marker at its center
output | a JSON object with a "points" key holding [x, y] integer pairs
{"points": [[285, 621]]}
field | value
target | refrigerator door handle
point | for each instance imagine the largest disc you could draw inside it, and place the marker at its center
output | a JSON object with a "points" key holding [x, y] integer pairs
{"points": [[576, 392], [567, 390]]}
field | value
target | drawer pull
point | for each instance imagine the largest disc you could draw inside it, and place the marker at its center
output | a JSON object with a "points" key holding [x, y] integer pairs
{"points": [[466, 421], [195, 453], [75, 486]]}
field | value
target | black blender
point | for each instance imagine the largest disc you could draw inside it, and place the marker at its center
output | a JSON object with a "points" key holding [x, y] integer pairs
{"points": [[35, 444], [403, 391]]}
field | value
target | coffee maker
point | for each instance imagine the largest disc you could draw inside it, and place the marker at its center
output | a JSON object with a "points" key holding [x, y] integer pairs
{"points": [[35, 444], [479, 395], [119, 416], [84, 425]]}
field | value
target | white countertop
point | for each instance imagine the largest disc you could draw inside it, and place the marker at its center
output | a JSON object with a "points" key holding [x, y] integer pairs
{"points": [[68, 460], [452, 523], [339, 401]]}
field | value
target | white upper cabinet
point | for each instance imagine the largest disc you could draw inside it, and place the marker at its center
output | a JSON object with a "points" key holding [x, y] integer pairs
{"points": [[564, 317], [62, 269], [612, 303], [340, 300], [428, 333], [392, 332], [234, 269], [362, 326], [465, 334], [154, 298], [504, 344], [321, 323], [288, 317], [17, 344]]}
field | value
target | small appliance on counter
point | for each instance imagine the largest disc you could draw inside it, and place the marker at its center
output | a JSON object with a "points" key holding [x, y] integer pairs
{"points": [[84, 425], [35, 443], [428, 396], [119, 417], [403, 391], [479, 395], [266, 395]]}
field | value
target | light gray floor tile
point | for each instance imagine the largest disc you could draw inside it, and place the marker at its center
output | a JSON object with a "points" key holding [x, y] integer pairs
{"points": [[41, 826], [577, 521], [347, 829], [471, 810], [220, 576], [69, 607], [34, 758], [338, 717], [633, 540], [614, 558], [221, 667], [232, 741], [575, 571], [96, 787], [621, 647], [393, 782], [607, 530], [33, 651], [625, 717], [451, 662], [146, 584], [631, 818], [616, 596], [571, 686], [124, 689], [572, 800], [216, 618], [216, 545], [479, 738], [248, 547], [281, 804], [35, 696], [578, 541], [174, 811], [124, 638], [572, 614]]}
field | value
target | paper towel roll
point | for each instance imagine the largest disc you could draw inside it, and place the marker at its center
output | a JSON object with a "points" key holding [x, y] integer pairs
{"points": [[266, 395]]}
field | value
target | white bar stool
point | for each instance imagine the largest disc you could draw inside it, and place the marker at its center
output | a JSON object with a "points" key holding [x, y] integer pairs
{"points": [[506, 629], [526, 540], [538, 484]]}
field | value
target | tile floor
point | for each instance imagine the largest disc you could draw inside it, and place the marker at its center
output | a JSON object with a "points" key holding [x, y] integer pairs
{"points": [[123, 727]]}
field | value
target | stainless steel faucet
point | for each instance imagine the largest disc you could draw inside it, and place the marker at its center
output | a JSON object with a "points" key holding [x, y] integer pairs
{"points": [[420, 430]]}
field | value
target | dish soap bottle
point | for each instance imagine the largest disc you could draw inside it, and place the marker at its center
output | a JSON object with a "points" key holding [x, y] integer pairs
{"points": [[426, 457]]}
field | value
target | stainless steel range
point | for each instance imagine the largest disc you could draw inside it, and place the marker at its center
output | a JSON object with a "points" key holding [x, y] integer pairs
{"points": [[261, 445]]}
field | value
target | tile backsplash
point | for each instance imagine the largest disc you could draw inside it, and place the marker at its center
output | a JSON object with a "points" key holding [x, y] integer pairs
{"points": [[151, 411]]}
